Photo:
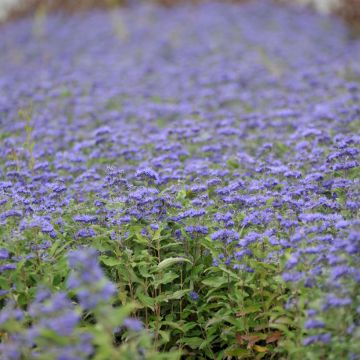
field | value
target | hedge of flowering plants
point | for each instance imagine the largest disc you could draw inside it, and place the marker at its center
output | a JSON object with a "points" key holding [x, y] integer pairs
{"points": [[180, 184]]}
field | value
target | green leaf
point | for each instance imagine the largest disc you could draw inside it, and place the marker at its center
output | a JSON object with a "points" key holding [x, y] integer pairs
{"points": [[165, 279], [249, 310], [172, 325], [281, 327], [181, 194], [20, 265], [180, 293], [140, 239], [229, 272], [209, 340], [217, 320], [111, 261], [283, 320], [129, 274], [59, 246], [146, 300], [215, 282], [4, 284], [144, 272], [170, 245], [177, 295], [233, 163], [193, 342], [238, 352], [52, 336], [216, 298], [189, 325], [171, 261]]}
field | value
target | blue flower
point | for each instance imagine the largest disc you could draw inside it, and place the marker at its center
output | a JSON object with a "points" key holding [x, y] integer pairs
{"points": [[225, 235], [133, 324], [194, 296], [87, 278], [314, 324]]}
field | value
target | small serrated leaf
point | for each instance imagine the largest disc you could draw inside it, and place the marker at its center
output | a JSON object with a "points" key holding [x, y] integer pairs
{"points": [[193, 342], [215, 281], [238, 352], [165, 279], [110, 261], [171, 261], [173, 325]]}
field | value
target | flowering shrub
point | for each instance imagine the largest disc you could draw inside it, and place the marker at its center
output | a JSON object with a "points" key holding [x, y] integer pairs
{"points": [[175, 191]]}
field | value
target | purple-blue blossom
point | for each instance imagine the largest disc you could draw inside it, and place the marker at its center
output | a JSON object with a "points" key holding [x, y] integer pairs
{"points": [[87, 278]]}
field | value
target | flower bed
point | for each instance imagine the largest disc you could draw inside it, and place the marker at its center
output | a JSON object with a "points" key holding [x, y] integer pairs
{"points": [[179, 182]]}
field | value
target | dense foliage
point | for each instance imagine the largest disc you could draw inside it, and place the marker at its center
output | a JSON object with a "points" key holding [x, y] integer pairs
{"points": [[180, 182]]}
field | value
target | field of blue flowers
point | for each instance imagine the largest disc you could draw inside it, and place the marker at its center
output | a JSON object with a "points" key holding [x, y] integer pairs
{"points": [[180, 184]]}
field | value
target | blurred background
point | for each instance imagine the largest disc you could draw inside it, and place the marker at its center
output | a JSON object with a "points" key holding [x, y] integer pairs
{"points": [[13, 9]]}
